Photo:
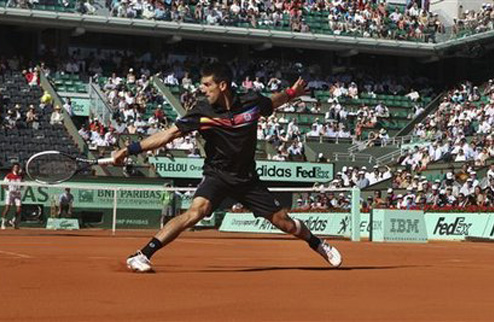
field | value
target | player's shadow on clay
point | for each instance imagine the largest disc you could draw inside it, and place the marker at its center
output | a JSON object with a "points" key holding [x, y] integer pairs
{"points": [[217, 269]]}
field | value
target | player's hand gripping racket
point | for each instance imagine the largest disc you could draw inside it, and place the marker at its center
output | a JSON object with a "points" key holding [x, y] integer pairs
{"points": [[55, 167]]}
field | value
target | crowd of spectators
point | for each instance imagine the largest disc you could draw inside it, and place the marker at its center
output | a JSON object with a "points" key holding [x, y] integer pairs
{"points": [[328, 200], [371, 19], [473, 22], [263, 75], [460, 130], [25, 114], [130, 98], [335, 121], [455, 190]]}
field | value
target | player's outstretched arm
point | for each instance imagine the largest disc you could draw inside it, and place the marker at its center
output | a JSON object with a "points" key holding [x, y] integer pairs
{"points": [[297, 89], [152, 142]]}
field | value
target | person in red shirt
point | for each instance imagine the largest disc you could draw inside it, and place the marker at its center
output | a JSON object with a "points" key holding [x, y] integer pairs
{"points": [[13, 195]]}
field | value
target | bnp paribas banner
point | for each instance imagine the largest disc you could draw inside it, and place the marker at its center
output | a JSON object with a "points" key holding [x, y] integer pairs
{"points": [[92, 198], [267, 170]]}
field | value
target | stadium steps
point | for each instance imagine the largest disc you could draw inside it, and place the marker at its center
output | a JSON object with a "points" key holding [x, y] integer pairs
{"points": [[378, 151], [176, 105], [69, 125], [429, 109], [69, 83], [167, 93], [312, 149]]}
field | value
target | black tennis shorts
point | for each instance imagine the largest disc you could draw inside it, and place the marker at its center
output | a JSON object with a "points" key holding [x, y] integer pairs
{"points": [[253, 195]]}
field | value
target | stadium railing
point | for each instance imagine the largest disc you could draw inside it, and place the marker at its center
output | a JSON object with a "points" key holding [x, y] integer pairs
{"points": [[99, 106]]}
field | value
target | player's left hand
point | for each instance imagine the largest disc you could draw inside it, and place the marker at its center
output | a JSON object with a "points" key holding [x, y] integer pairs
{"points": [[300, 87]]}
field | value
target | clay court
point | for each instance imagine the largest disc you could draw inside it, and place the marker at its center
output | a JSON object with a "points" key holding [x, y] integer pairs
{"points": [[212, 276]]}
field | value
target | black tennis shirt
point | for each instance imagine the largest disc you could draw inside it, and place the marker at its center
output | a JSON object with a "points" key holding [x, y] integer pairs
{"points": [[231, 136]]}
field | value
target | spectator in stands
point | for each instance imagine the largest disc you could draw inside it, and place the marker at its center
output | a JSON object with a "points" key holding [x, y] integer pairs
{"points": [[274, 84], [187, 144], [131, 77], [131, 128], [362, 182], [110, 137], [32, 76], [467, 189], [383, 137], [84, 133], [152, 129], [314, 132], [10, 121], [195, 153], [247, 84], [171, 80], [32, 119], [390, 200], [377, 200], [478, 197], [56, 117], [414, 96], [258, 85], [68, 107], [295, 149], [279, 156], [141, 125], [45, 100]]}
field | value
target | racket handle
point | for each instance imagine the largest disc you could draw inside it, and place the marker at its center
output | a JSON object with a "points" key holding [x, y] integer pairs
{"points": [[106, 161]]}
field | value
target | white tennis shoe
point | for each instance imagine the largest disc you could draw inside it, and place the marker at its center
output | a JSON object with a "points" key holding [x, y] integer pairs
{"points": [[330, 253], [13, 223], [3, 223], [139, 263]]}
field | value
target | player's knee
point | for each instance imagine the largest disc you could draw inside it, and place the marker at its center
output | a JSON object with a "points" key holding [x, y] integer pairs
{"points": [[284, 222], [194, 215]]}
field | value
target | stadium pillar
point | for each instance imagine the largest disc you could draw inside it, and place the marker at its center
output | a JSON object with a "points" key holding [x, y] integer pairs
{"points": [[355, 214]]}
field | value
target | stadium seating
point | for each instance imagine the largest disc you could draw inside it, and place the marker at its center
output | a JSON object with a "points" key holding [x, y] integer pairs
{"points": [[342, 20], [19, 143], [69, 83], [472, 22]]}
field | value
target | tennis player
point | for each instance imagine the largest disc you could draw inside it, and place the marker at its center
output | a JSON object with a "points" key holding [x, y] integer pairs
{"points": [[13, 196], [228, 123]]}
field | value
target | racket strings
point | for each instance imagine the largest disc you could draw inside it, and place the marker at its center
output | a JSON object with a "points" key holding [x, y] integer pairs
{"points": [[52, 168]]}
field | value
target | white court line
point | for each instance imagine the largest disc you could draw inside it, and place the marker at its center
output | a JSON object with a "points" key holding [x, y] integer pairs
{"points": [[15, 254]]}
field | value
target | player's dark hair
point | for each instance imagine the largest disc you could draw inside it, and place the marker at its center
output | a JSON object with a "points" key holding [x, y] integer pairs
{"points": [[14, 164], [220, 72]]}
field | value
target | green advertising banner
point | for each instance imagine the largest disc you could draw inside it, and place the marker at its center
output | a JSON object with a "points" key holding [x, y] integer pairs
{"points": [[489, 228], [334, 224], [398, 226], [80, 106], [93, 198], [191, 168], [318, 223], [446, 226], [62, 223]]}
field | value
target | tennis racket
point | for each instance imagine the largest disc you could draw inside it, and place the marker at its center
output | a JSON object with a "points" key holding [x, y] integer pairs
{"points": [[55, 167]]}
